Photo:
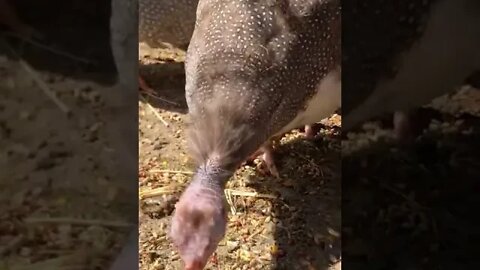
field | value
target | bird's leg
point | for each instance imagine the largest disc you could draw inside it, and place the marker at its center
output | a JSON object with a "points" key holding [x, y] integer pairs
{"points": [[269, 160], [255, 155], [402, 127], [267, 157], [309, 132], [8, 17], [144, 87]]}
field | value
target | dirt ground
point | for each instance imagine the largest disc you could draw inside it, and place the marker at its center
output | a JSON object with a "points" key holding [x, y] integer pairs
{"points": [[289, 223], [61, 206]]}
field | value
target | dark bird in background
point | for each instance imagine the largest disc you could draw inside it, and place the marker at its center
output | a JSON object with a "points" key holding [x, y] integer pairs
{"points": [[399, 55], [254, 71], [165, 23]]}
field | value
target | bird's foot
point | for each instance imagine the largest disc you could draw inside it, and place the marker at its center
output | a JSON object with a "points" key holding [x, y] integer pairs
{"points": [[309, 132], [269, 163], [267, 166], [144, 87]]}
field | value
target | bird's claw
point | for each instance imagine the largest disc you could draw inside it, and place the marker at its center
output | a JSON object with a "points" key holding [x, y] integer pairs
{"points": [[309, 132], [144, 87], [268, 160]]}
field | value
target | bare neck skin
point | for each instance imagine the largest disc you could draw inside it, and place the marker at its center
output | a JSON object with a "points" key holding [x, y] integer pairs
{"points": [[200, 218]]}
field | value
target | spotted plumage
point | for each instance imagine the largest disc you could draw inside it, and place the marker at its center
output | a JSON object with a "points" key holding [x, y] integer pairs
{"points": [[275, 53], [254, 69], [167, 22], [398, 55]]}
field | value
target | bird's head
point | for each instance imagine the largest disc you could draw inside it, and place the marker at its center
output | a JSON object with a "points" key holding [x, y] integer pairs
{"points": [[198, 225]]}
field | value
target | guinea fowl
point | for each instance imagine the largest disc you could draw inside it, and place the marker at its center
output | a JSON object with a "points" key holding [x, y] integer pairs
{"points": [[165, 23], [400, 56], [254, 70]]}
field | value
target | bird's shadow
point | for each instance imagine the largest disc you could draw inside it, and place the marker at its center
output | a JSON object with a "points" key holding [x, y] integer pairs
{"points": [[306, 213]]}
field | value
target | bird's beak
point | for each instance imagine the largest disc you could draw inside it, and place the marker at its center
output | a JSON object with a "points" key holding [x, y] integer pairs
{"points": [[194, 265]]}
